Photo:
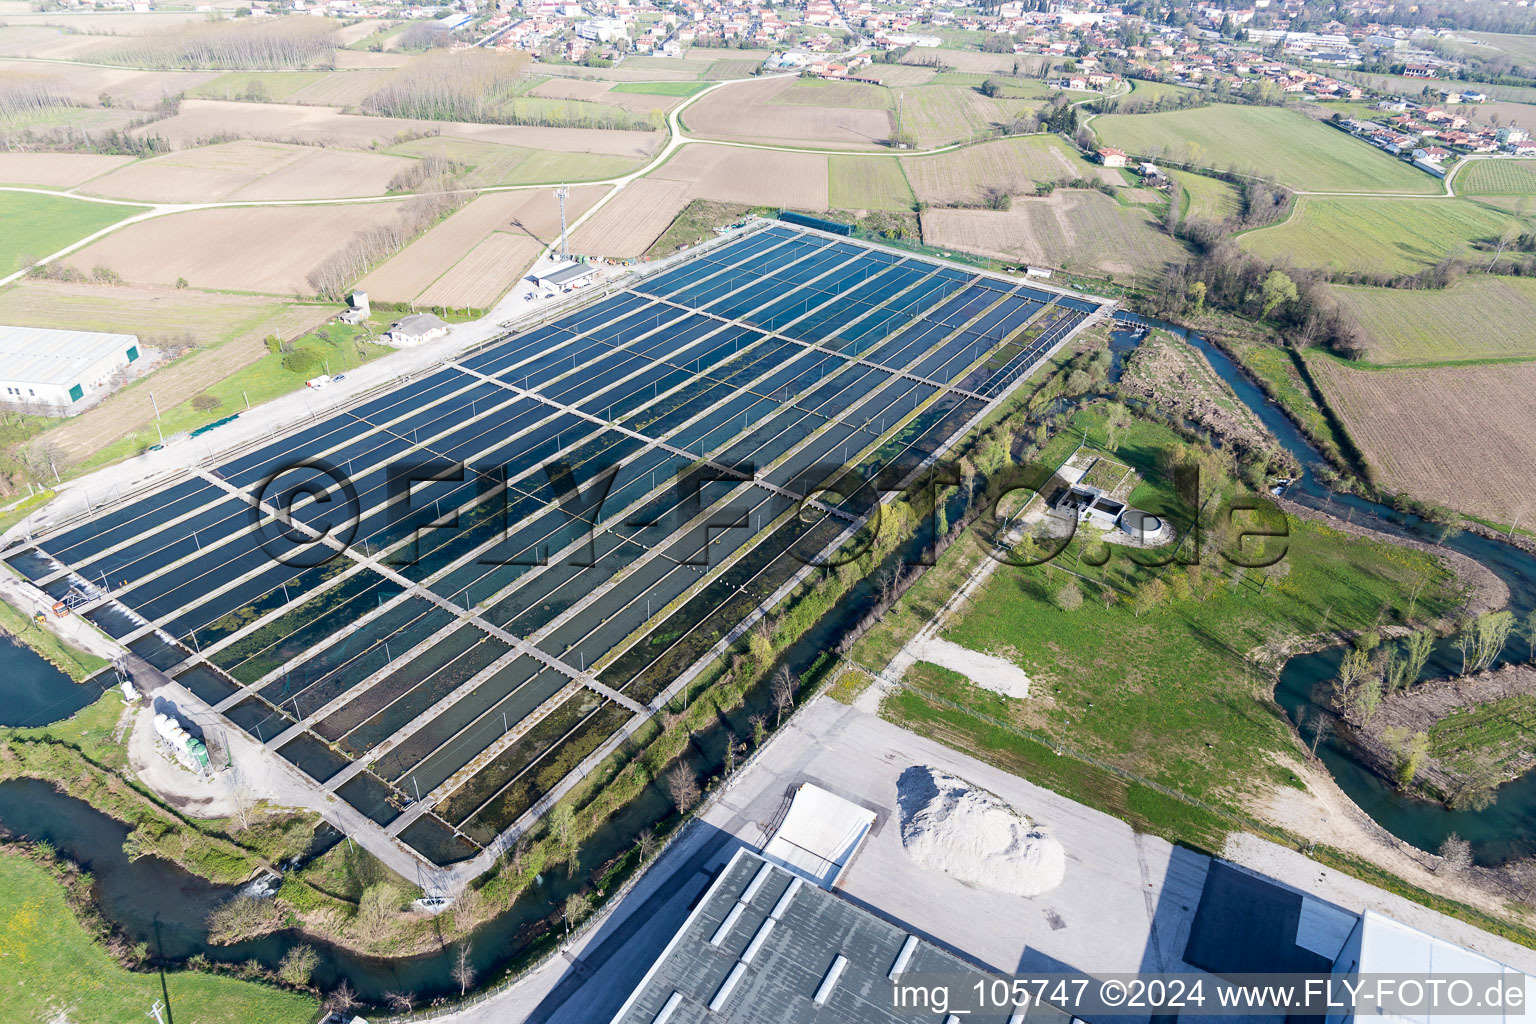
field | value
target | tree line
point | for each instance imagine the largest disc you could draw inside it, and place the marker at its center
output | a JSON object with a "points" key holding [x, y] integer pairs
{"points": [[250, 44], [334, 277]]}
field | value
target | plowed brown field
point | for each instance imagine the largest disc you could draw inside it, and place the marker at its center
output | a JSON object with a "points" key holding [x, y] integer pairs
{"points": [[58, 170], [532, 214], [1460, 436], [200, 119], [754, 177], [632, 222], [1074, 230], [254, 249], [748, 112], [485, 273]]}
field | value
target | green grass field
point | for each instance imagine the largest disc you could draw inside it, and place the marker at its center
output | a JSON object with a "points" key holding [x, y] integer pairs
{"points": [[38, 225], [867, 183], [1275, 367], [1141, 89], [1382, 235], [51, 969], [1270, 141], [1207, 198], [937, 113], [272, 86], [661, 88], [1503, 727], [1406, 326], [1497, 178]]}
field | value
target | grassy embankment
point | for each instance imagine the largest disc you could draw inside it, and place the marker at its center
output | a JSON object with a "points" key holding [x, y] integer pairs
{"points": [[70, 660], [1169, 692], [85, 757]]}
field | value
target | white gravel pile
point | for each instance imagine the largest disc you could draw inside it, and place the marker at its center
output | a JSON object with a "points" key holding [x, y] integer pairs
{"points": [[949, 825]]}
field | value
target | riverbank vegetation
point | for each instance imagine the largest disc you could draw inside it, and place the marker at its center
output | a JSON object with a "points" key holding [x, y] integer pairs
{"points": [[85, 756]]}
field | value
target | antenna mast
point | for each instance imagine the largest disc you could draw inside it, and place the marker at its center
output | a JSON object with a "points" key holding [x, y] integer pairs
{"points": [[560, 194]]}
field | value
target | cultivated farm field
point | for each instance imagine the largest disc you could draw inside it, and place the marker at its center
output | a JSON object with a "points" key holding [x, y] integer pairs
{"points": [[1371, 234], [1463, 436], [56, 170], [203, 119], [1461, 322], [759, 111], [1072, 229], [867, 183], [531, 214], [632, 221], [85, 84], [1014, 165], [751, 177], [945, 112], [268, 249], [1275, 142], [252, 170], [485, 273], [590, 91], [1498, 177], [973, 61]]}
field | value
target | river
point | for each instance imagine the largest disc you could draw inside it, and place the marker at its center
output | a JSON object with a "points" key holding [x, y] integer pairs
{"points": [[1505, 829], [156, 902]]}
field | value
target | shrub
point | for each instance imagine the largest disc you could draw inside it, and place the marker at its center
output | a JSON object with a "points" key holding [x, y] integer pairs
{"points": [[206, 403], [302, 362], [297, 965], [1070, 597]]}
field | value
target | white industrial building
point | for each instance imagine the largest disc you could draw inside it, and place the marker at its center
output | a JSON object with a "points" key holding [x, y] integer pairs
{"points": [[47, 367]]}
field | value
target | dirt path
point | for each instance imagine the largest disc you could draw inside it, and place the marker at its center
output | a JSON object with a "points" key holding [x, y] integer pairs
{"points": [[1323, 814]]}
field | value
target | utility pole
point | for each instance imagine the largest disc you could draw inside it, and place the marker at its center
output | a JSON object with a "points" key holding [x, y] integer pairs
{"points": [[158, 1012], [156, 405], [560, 194]]}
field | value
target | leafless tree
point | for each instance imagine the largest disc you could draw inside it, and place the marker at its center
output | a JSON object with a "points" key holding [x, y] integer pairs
{"points": [[1455, 855], [400, 1002], [646, 841], [342, 999], [784, 685], [463, 969], [263, 44], [683, 788]]}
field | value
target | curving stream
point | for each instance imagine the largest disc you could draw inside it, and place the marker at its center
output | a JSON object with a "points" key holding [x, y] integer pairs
{"points": [[156, 902], [1507, 828]]}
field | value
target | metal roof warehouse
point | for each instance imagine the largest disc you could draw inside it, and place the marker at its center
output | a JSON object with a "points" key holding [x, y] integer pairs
{"points": [[764, 946], [59, 367]]}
